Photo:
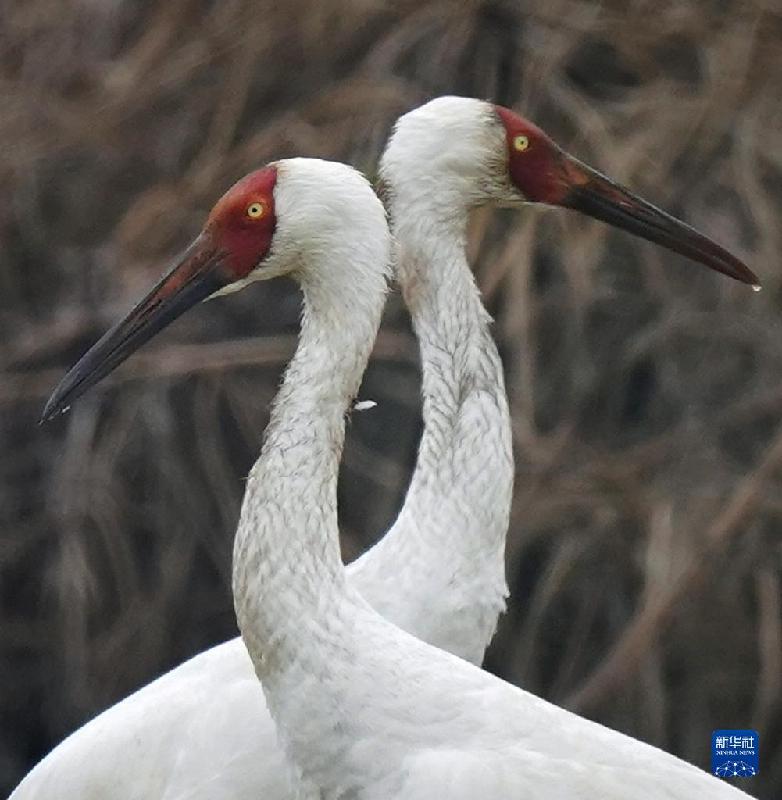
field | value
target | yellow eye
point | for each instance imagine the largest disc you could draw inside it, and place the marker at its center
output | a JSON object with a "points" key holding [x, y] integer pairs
{"points": [[520, 143], [256, 210]]}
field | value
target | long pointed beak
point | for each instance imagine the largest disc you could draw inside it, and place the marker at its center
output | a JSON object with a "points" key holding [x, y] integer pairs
{"points": [[592, 193], [195, 276]]}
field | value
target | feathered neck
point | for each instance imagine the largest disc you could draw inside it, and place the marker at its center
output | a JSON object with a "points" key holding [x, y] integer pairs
{"points": [[454, 520], [461, 368], [288, 578]]}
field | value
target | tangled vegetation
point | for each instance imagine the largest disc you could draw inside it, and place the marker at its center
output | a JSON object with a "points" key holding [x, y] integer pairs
{"points": [[644, 555]]}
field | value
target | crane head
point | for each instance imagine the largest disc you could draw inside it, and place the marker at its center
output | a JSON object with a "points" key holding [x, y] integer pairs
{"points": [[302, 217], [459, 152], [541, 172], [229, 251]]}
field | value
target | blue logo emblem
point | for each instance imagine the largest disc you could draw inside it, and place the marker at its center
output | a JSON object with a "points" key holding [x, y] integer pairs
{"points": [[734, 754]]}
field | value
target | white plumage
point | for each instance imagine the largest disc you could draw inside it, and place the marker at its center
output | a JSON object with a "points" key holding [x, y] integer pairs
{"points": [[364, 710], [202, 730]]}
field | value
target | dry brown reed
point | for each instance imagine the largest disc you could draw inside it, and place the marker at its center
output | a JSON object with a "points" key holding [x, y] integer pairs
{"points": [[644, 556]]}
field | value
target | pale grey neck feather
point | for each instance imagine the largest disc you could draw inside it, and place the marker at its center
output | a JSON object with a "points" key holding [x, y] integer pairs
{"points": [[448, 543], [465, 410]]}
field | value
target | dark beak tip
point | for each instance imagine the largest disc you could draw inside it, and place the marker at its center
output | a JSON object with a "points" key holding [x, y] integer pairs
{"points": [[744, 274], [51, 410], [194, 277]]}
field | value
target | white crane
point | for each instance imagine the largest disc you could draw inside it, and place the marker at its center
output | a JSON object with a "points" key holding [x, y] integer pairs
{"points": [[363, 709], [439, 572]]}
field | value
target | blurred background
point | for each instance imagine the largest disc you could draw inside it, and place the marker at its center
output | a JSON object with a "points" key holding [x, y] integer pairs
{"points": [[644, 553]]}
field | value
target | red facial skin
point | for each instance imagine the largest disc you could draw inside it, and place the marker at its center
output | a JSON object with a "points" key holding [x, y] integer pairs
{"points": [[541, 173], [243, 241]]}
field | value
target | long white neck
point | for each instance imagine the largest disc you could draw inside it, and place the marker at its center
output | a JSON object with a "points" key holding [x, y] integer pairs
{"points": [[459, 359], [453, 524], [288, 578]]}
